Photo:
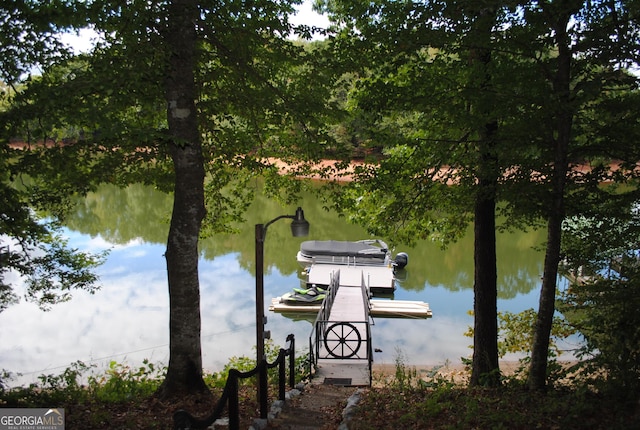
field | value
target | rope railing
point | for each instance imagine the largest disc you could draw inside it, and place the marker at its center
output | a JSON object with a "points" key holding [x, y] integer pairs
{"points": [[183, 420]]}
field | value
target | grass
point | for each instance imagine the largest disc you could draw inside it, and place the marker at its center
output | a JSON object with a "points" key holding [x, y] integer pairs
{"points": [[440, 400], [478, 408], [122, 398]]}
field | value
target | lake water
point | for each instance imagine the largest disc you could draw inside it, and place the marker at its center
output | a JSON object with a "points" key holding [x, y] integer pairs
{"points": [[127, 320]]}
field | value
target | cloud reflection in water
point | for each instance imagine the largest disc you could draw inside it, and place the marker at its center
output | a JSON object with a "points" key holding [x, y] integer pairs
{"points": [[127, 320]]}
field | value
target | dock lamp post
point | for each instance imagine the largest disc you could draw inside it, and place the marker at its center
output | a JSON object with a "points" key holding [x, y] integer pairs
{"points": [[299, 227]]}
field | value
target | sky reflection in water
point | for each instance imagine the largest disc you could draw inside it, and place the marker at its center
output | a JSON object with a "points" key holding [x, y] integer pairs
{"points": [[127, 320]]}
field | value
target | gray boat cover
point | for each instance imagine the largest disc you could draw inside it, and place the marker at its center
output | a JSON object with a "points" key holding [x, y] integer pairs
{"points": [[336, 248]]}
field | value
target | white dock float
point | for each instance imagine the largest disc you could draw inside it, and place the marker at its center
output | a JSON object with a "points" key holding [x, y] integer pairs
{"points": [[381, 308], [376, 278]]}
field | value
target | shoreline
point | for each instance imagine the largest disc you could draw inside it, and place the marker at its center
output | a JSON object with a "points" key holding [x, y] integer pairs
{"points": [[506, 365], [456, 372]]}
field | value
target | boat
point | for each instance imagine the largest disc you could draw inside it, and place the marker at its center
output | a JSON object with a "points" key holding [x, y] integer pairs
{"points": [[370, 252], [366, 264], [313, 295], [301, 299]]}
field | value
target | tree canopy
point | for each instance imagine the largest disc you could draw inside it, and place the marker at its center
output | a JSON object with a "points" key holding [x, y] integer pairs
{"points": [[520, 104], [181, 95], [33, 251], [515, 112]]}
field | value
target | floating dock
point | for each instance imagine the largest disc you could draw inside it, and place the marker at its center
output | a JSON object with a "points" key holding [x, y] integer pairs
{"points": [[382, 308], [350, 273], [340, 340], [378, 279]]}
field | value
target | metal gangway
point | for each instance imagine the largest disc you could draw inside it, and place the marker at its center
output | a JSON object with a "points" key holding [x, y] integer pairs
{"points": [[340, 341]]}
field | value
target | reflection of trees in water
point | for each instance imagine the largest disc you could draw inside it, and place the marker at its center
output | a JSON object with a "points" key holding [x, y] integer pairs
{"points": [[519, 265], [137, 211], [121, 215]]}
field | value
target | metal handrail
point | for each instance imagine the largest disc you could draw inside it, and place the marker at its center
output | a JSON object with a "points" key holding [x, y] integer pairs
{"points": [[323, 314], [183, 420], [352, 344], [347, 345], [366, 295]]}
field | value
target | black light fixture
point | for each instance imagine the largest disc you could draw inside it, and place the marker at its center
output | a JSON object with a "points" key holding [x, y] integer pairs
{"points": [[299, 228], [299, 225]]}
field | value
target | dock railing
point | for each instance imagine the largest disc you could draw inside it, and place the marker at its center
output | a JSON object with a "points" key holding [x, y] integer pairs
{"points": [[366, 296], [323, 314], [340, 339], [183, 420]]}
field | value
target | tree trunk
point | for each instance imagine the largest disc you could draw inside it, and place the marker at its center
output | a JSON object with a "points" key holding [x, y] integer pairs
{"points": [[184, 373], [485, 369], [564, 122]]}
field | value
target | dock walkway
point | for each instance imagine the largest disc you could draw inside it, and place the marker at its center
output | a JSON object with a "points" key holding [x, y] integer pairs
{"points": [[342, 341]]}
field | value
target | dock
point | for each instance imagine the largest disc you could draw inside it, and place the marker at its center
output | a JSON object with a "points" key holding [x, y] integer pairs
{"points": [[340, 342], [376, 278], [343, 277], [380, 308]]}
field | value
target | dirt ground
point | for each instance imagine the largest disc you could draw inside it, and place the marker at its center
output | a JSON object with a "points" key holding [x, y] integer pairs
{"points": [[385, 372], [318, 407], [321, 407]]}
